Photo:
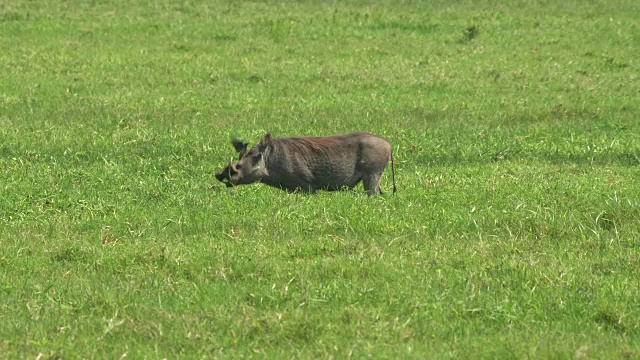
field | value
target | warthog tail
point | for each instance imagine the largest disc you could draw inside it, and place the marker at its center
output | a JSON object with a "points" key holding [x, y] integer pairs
{"points": [[393, 173]]}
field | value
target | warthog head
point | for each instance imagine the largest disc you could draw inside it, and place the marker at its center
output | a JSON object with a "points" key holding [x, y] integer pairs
{"points": [[250, 166]]}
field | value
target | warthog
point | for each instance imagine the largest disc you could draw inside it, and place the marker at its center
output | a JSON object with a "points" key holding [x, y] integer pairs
{"points": [[310, 164]]}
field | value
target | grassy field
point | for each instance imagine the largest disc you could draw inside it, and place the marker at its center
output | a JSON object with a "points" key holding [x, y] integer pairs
{"points": [[515, 232]]}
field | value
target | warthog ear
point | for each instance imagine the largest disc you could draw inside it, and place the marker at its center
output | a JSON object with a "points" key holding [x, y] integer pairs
{"points": [[265, 142], [241, 147]]}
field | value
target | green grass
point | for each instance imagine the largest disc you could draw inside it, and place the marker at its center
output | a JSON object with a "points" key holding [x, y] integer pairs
{"points": [[515, 232]]}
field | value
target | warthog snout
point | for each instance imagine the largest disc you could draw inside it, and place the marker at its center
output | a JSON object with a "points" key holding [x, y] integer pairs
{"points": [[226, 175]]}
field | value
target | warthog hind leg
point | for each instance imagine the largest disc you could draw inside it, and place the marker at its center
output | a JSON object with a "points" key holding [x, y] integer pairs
{"points": [[372, 184]]}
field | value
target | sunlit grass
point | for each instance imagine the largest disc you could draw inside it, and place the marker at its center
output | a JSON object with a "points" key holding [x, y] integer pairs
{"points": [[514, 232]]}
